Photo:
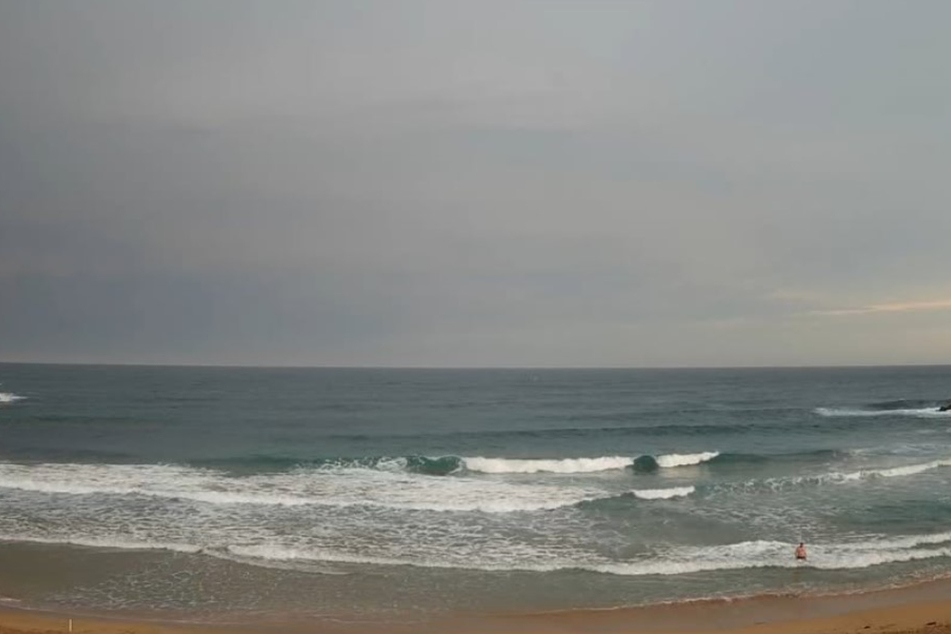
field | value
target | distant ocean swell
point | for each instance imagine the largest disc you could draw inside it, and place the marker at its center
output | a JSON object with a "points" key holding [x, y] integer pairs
{"points": [[832, 420]]}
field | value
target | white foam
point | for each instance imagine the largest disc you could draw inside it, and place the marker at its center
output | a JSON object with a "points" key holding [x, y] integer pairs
{"points": [[675, 561], [341, 488], [567, 465], [894, 472], [117, 544], [836, 477], [769, 554], [684, 460], [10, 397], [663, 494], [921, 412], [911, 541], [287, 553], [578, 465], [375, 536]]}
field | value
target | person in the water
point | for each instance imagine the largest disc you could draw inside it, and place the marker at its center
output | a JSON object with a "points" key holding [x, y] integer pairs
{"points": [[801, 552]]}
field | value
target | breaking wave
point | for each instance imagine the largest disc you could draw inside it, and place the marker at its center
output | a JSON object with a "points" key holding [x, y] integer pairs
{"points": [[685, 460], [10, 397], [852, 412], [893, 472], [566, 465], [450, 465], [585, 465], [309, 487], [461, 465], [399, 484]]}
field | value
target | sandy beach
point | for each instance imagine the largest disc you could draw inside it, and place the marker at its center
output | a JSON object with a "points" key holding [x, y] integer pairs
{"points": [[913, 610]]}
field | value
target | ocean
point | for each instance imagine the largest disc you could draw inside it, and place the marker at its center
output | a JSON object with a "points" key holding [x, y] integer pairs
{"points": [[366, 495]]}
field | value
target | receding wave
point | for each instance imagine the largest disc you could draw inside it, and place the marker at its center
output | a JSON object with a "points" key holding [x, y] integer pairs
{"points": [[873, 551], [861, 553], [110, 544]]}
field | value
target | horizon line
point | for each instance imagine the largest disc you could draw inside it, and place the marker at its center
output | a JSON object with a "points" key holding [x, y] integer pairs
{"points": [[475, 367]]}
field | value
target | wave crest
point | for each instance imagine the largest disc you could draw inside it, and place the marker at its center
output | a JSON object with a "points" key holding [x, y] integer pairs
{"points": [[645, 463], [566, 465], [893, 472], [685, 460], [852, 412], [305, 486]]}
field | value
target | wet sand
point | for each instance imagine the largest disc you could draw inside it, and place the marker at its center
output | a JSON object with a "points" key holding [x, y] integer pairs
{"points": [[923, 609]]}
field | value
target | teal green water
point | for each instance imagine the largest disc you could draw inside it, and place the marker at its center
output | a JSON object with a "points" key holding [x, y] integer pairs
{"points": [[383, 493]]}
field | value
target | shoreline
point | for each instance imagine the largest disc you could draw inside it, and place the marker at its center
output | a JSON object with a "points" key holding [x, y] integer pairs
{"points": [[923, 608]]}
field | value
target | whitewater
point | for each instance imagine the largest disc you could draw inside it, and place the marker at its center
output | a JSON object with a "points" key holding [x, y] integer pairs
{"points": [[10, 397]]}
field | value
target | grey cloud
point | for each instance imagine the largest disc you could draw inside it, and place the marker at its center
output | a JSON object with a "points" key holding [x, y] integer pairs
{"points": [[454, 183]]}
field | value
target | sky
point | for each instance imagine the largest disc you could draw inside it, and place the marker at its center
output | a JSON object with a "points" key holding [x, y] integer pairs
{"points": [[484, 183]]}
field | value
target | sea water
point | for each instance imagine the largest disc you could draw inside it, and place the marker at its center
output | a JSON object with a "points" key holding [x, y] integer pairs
{"points": [[222, 493]]}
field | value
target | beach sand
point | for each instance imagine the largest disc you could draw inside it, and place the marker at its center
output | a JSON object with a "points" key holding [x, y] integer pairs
{"points": [[913, 610]]}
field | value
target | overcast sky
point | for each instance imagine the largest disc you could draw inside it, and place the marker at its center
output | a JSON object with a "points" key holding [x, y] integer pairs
{"points": [[507, 183]]}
